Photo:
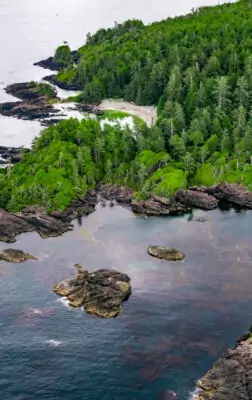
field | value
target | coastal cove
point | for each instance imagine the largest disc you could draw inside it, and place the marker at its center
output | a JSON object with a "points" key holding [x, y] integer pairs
{"points": [[148, 197], [171, 329]]}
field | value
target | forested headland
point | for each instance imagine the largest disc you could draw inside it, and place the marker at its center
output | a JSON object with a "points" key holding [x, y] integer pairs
{"points": [[197, 70]]}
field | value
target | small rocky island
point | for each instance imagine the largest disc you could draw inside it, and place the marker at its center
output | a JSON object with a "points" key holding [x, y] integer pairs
{"points": [[166, 253], [101, 293], [15, 256]]}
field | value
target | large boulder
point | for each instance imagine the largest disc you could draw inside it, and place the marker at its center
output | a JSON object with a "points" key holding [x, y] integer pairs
{"points": [[15, 256], [231, 377], [196, 199], [102, 293], [166, 253]]}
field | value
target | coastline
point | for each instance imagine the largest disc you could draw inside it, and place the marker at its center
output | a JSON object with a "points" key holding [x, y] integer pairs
{"points": [[230, 378], [185, 201]]}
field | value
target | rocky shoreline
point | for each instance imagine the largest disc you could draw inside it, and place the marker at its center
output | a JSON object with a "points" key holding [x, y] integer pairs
{"points": [[62, 85], [11, 155], [36, 219], [231, 376], [37, 102]]}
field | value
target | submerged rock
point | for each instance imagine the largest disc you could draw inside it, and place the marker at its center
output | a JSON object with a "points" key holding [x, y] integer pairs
{"points": [[15, 256], [231, 377], [166, 253], [196, 199], [102, 293]]}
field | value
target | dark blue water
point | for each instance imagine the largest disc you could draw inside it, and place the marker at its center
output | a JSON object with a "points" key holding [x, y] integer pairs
{"points": [[179, 319]]}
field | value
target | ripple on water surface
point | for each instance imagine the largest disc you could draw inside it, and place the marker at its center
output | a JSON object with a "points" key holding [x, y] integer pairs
{"points": [[179, 319]]}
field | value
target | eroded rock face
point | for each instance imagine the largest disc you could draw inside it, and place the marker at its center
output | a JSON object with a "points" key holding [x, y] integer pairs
{"points": [[166, 253], [196, 199], [15, 256], [102, 293], [231, 377]]}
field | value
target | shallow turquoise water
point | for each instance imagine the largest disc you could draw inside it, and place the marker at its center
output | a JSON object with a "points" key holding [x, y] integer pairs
{"points": [[179, 319]]}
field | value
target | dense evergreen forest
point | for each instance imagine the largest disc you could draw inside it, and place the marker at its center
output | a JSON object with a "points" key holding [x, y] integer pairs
{"points": [[197, 70]]}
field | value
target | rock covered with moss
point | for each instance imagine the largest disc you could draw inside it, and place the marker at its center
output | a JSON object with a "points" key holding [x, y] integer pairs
{"points": [[101, 293], [15, 256], [166, 253]]}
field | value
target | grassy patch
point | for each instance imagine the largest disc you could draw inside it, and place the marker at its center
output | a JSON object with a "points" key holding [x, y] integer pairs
{"points": [[111, 115], [43, 89]]}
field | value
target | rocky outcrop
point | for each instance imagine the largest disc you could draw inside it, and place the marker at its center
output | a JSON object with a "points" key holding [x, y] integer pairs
{"points": [[231, 376], [12, 154], [29, 91], [53, 79], [158, 206], [231, 193], [49, 63], [28, 110], [196, 199], [36, 219], [15, 256], [102, 293], [166, 253]]}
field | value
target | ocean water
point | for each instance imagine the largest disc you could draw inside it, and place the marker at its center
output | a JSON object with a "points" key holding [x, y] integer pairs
{"points": [[180, 318]]}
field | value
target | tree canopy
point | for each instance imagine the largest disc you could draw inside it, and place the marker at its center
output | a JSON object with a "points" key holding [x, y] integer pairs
{"points": [[197, 70]]}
